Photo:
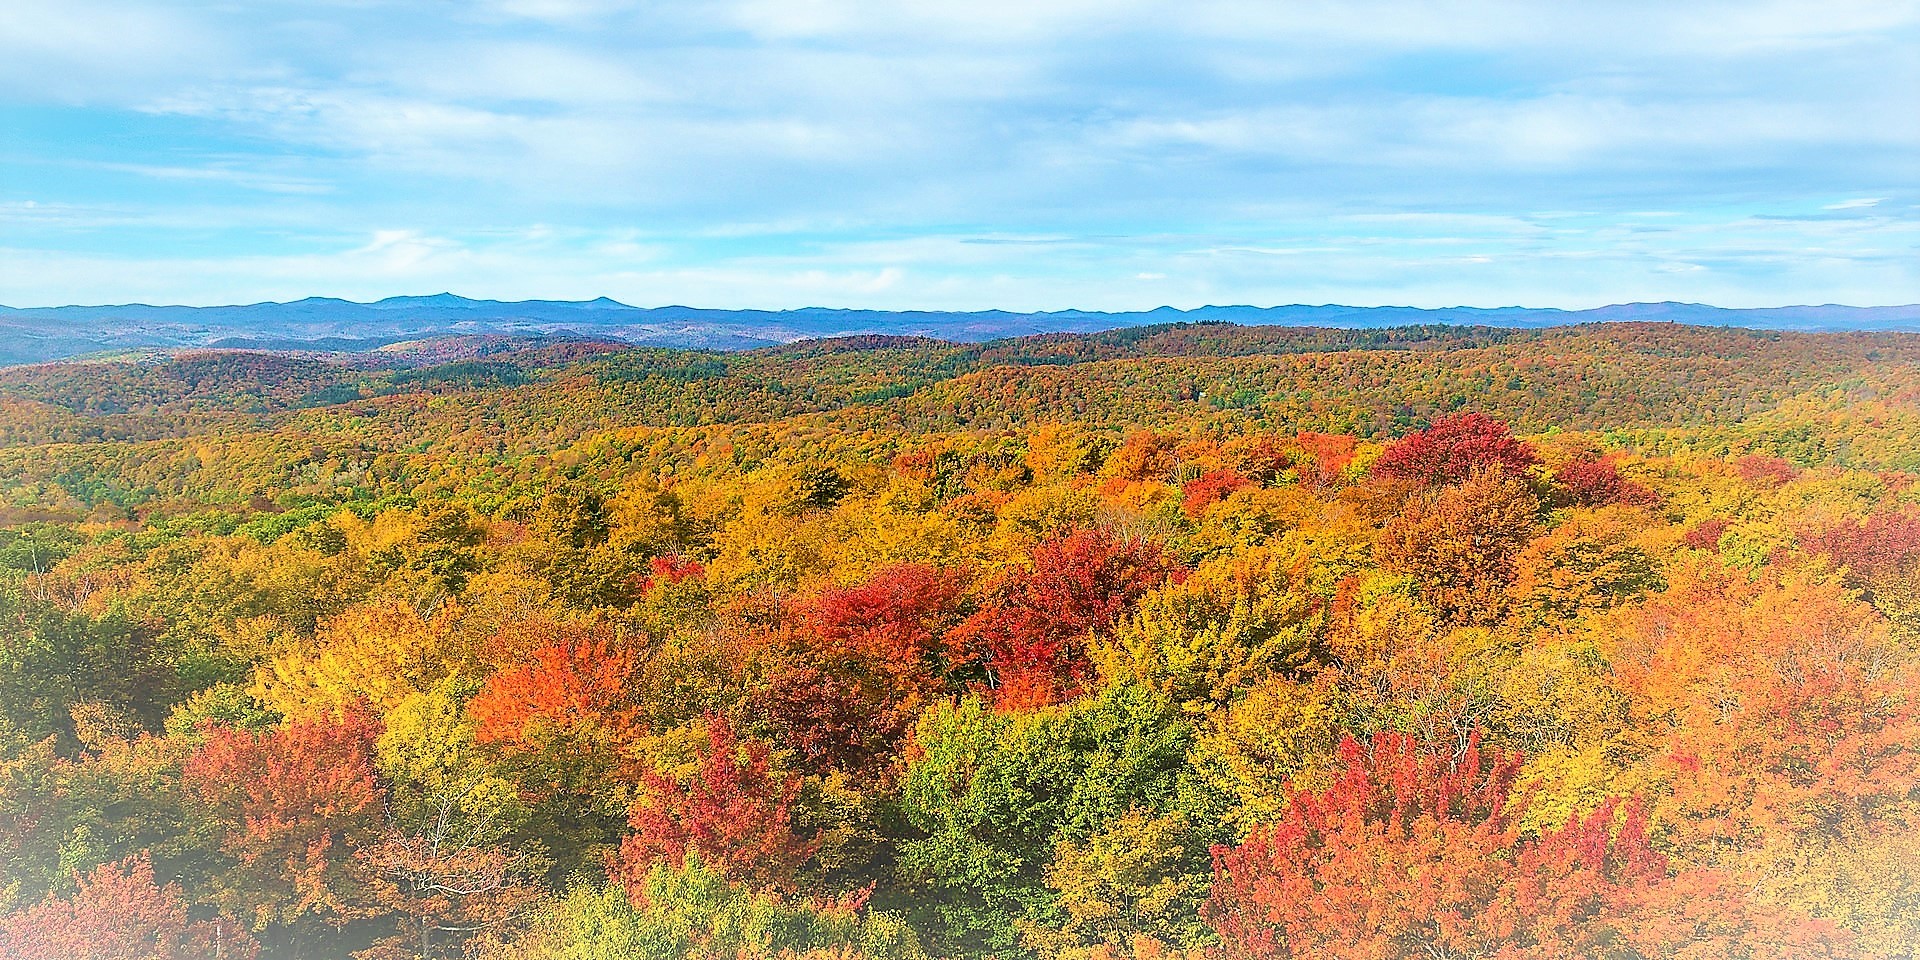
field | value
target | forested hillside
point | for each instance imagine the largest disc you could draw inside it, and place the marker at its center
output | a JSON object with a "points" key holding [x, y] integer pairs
{"points": [[1176, 642]]}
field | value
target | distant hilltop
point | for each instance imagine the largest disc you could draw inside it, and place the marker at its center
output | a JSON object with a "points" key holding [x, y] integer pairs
{"points": [[49, 333]]}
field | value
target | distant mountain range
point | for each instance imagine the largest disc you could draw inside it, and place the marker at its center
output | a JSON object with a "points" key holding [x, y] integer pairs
{"points": [[319, 323]]}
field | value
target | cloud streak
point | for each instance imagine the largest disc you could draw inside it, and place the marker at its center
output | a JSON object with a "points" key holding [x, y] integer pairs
{"points": [[760, 150]]}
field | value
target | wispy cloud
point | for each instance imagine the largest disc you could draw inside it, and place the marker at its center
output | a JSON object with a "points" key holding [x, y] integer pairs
{"points": [[1050, 152]]}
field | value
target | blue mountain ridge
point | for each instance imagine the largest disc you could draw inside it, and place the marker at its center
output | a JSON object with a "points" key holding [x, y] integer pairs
{"points": [[47, 333]]}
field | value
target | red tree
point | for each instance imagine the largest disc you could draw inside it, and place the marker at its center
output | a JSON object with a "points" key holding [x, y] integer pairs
{"points": [[1706, 534], [1597, 482], [1210, 489], [1327, 455], [1452, 449], [1764, 470], [667, 570], [1032, 627], [1412, 853], [891, 621], [293, 801], [735, 815], [1882, 546], [857, 671], [120, 913]]}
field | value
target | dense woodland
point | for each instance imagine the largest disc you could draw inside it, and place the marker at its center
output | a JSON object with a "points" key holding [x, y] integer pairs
{"points": [[1180, 642]]}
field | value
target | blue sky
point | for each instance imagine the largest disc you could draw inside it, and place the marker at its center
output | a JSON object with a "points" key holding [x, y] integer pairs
{"points": [[1024, 154]]}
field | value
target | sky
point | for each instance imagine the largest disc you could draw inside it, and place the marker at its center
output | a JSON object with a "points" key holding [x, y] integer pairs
{"points": [[1016, 154]]}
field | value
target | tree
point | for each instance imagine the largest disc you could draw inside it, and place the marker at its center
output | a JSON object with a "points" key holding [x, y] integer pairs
{"points": [[992, 794], [1773, 707], [378, 652], [1460, 543], [294, 802], [1031, 629], [118, 912], [892, 620], [1589, 562], [564, 724], [1325, 457], [1210, 489], [1596, 482], [1453, 449], [1882, 556], [445, 879], [694, 912], [1201, 644], [1135, 878], [569, 702], [53, 659], [446, 864], [1416, 853], [865, 659], [734, 814]]}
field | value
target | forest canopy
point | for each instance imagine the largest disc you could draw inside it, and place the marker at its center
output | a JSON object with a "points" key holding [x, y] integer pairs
{"points": [[1191, 641]]}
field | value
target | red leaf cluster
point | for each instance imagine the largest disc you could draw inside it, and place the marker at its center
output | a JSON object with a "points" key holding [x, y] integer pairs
{"points": [[1883, 545], [1416, 853], [1597, 482], [120, 913], [1329, 453], [865, 659], [1765, 470], [1031, 630], [1454, 448], [1210, 489], [670, 569], [734, 814], [290, 796], [1706, 534]]}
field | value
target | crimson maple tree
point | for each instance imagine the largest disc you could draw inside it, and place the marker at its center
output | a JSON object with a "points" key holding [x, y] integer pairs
{"points": [[1414, 851], [1031, 629], [1596, 481], [849, 681], [735, 815], [1454, 448]]}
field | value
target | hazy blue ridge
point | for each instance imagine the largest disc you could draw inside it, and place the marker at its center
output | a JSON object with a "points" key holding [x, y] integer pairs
{"points": [[35, 334]]}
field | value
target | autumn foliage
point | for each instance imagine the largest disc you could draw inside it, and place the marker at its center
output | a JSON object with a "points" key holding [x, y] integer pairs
{"points": [[1210, 489], [1414, 850], [576, 679], [294, 801], [734, 814], [1596, 481], [118, 912], [1453, 449], [1190, 642], [1032, 626]]}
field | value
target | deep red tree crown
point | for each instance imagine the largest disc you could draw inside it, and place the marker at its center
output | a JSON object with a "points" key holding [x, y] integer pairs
{"points": [[1031, 629], [1453, 448], [735, 815], [892, 619]]}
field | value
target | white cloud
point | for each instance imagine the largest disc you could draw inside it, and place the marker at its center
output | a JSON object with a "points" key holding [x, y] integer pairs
{"points": [[850, 148]]}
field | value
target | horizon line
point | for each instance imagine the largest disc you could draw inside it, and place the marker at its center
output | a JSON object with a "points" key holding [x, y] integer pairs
{"points": [[446, 295]]}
